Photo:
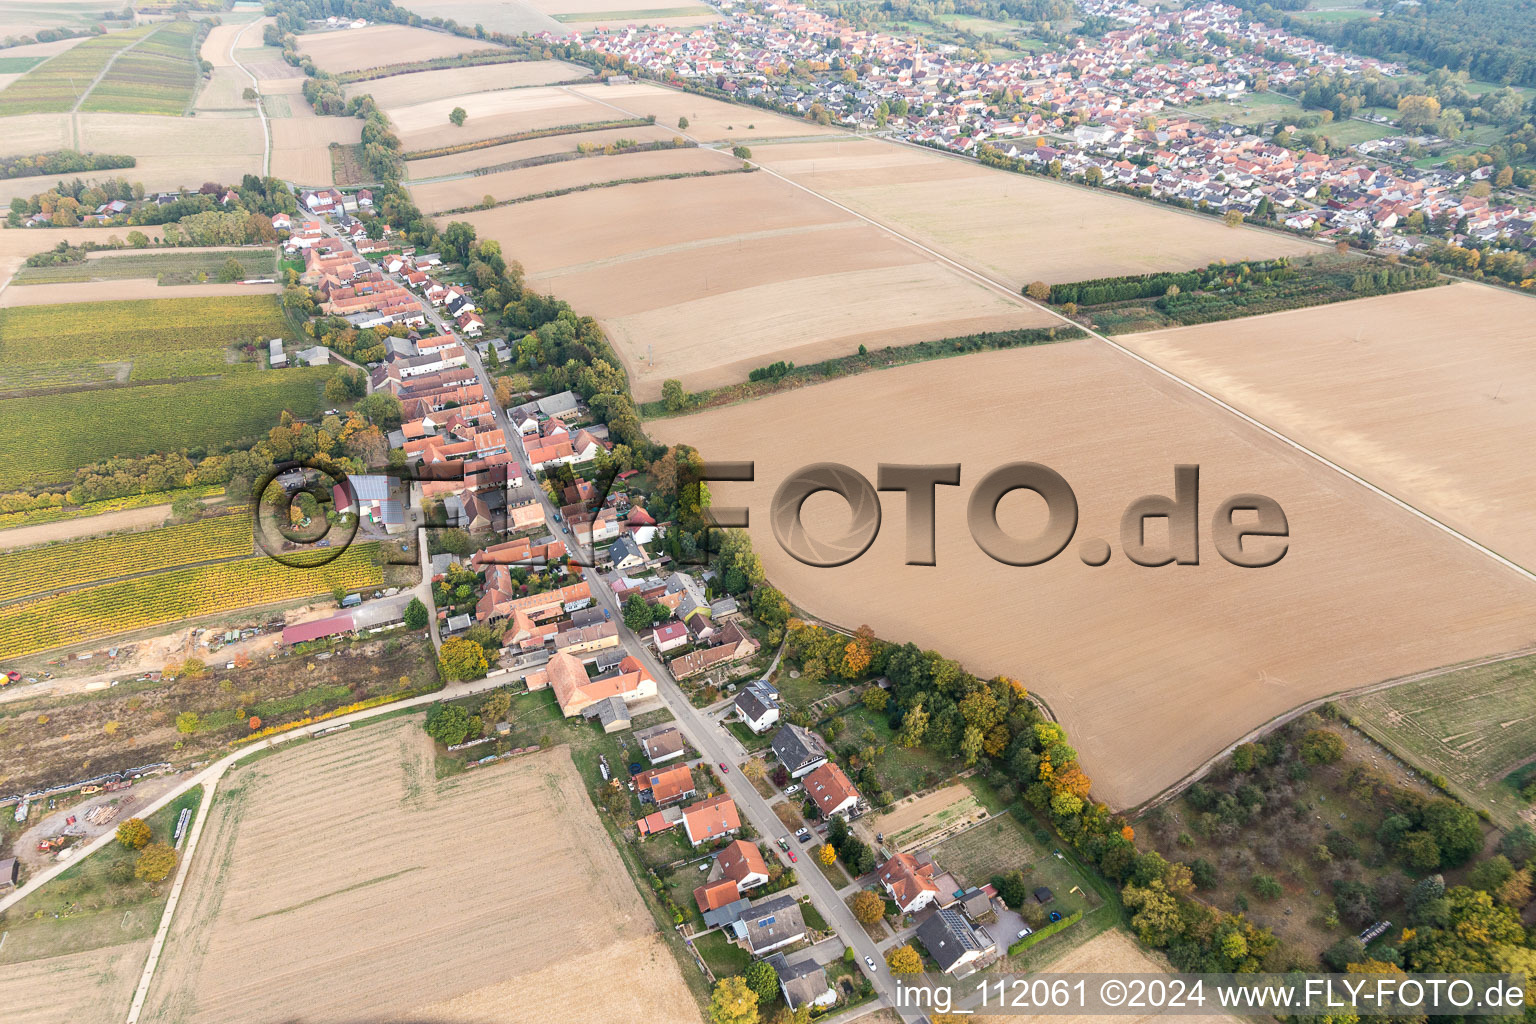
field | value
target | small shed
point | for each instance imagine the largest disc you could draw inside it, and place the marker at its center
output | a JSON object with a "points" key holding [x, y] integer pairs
{"points": [[8, 873], [1044, 895]]}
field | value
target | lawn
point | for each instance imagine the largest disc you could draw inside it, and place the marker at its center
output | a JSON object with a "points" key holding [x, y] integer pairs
{"points": [[834, 871], [1005, 844], [748, 738], [813, 918], [723, 957], [1473, 727]]}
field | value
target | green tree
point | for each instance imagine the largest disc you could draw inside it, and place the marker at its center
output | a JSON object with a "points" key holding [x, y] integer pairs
{"points": [[762, 980], [673, 395], [133, 834], [1321, 746], [733, 1002], [637, 614], [741, 152], [496, 706], [232, 270], [875, 698], [448, 724], [682, 123], [461, 659], [187, 722], [913, 724], [155, 862], [415, 614], [1156, 920], [1456, 831], [458, 116]]}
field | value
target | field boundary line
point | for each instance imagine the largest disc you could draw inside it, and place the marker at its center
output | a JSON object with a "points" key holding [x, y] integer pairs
{"points": [[261, 111], [1286, 716], [1149, 364]]}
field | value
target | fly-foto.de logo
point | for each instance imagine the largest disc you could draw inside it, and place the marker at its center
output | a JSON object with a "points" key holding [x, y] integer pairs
{"points": [[1248, 530]]}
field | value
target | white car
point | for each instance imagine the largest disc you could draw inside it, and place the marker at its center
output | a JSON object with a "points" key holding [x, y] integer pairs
{"points": [[1026, 930], [871, 962]]}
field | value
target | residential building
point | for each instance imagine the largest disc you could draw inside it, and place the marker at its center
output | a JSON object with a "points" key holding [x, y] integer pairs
{"points": [[953, 942], [712, 819], [742, 862], [908, 882], [833, 793], [665, 785], [757, 710], [574, 691], [772, 923], [804, 982], [798, 750], [670, 637], [663, 743]]}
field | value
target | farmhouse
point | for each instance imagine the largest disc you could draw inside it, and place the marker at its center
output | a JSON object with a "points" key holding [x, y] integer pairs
{"points": [[575, 691], [318, 629], [832, 791], [585, 642], [798, 750], [711, 819], [731, 644], [499, 602], [953, 942], [908, 882]]}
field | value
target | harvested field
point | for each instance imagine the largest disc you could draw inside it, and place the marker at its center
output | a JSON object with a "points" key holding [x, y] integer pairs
{"points": [[1474, 726], [513, 16], [358, 48], [491, 114], [225, 93], [132, 288], [704, 280], [915, 820], [262, 935], [301, 146], [26, 17], [94, 987], [1152, 671], [708, 120], [795, 277], [439, 197], [1409, 391], [1016, 228], [578, 14], [34, 133], [491, 156], [227, 147], [400, 90]]}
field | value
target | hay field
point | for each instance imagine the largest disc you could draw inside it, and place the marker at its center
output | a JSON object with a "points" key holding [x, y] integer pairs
{"points": [[705, 279], [491, 114], [438, 197], [94, 987], [492, 156], [400, 90], [1430, 395], [1016, 228], [224, 93], [708, 120], [301, 146], [1152, 671], [495, 885], [358, 48]]}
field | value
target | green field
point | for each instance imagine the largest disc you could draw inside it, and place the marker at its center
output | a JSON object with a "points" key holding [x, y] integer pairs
{"points": [[45, 438], [168, 266], [78, 563], [158, 76], [58, 83], [81, 331], [93, 612], [1473, 727], [18, 65]]}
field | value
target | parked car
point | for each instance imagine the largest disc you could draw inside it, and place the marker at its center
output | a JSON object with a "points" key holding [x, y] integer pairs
{"points": [[870, 962], [1026, 930], [792, 858], [803, 835], [725, 768], [792, 790]]}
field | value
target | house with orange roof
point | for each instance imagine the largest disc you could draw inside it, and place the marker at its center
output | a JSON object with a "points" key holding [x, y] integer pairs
{"points": [[575, 691], [742, 862], [908, 882], [712, 819], [666, 785], [831, 790]]}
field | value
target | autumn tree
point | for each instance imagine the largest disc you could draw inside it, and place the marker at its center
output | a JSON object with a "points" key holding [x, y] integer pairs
{"points": [[1417, 111], [733, 1002], [462, 658], [1232, 218], [903, 959], [133, 834], [155, 862], [867, 906], [827, 855], [496, 706], [673, 395], [1038, 290]]}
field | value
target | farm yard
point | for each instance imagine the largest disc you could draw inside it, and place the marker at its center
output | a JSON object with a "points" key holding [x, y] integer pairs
{"points": [[45, 438], [355, 49], [105, 609], [1151, 671], [1475, 727], [510, 186], [663, 264], [1015, 228], [1440, 423], [251, 912]]}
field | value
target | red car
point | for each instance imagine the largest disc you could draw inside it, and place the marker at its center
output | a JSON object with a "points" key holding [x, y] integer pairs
{"points": [[725, 768], [792, 858]]}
